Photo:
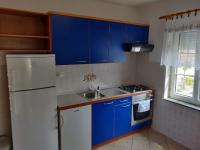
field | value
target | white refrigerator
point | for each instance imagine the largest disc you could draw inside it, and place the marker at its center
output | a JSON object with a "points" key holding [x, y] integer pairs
{"points": [[33, 102]]}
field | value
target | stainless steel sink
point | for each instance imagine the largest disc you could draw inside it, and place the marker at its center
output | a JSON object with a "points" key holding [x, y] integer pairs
{"points": [[91, 95], [112, 92]]}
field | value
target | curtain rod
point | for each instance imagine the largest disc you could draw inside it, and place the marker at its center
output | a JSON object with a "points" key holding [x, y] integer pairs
{"points": [[188, 12]]}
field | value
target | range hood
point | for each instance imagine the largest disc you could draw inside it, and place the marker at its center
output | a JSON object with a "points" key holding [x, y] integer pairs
{"points": [[138, 47]]}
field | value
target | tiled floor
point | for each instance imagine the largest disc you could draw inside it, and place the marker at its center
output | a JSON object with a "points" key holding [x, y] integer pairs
{"points": [[144, 140]]}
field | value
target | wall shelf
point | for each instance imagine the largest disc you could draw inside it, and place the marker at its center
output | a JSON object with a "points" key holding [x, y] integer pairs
{"points": [[24, 31], [24, 36], [17, 51]]}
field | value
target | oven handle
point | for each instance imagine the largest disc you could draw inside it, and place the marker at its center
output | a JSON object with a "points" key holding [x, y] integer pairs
{"points": [[137, 102]]}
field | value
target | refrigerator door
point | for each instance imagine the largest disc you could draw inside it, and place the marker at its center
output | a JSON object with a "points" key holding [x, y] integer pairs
{"points": [[26, 72], [34, 119]]}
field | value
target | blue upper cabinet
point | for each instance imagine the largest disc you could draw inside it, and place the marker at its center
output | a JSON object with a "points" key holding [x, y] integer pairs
{"points": [[117, 39], [82, 41], [70, 40], [137, 34], [99, 41]]}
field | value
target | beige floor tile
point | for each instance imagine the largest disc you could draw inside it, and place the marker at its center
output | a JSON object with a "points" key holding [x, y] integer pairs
{"points": [[140, 141], [122, 148], [145, 140], [125, 142], [158, 146], [107, 147]]}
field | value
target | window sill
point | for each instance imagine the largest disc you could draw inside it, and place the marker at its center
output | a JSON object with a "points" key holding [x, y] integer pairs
{"points": [[183, 103]]}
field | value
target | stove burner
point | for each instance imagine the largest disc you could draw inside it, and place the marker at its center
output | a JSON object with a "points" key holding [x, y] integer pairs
{"points": [[134, 88]]}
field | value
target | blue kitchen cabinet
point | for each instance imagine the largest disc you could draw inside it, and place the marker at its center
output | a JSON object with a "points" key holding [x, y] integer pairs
{"points": [[122, 119], [137, 34], [111, 119], [99, 41], [70, 39], [117, 39], [82, 41], [102, 122]]}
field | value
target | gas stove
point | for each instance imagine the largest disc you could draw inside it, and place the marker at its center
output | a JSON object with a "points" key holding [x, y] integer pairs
{"points": [[134, 88]]}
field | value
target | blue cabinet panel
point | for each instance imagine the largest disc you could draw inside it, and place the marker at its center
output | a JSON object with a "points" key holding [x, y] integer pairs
{"points": [[70, 40], [117, 39], [122, 118], [83, 41], [142, 125], [136, 34], [123, 100], [102, 122], [99, 41]]}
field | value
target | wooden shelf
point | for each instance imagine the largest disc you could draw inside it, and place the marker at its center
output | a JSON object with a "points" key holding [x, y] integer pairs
{"points": [[17, 51], [24, 36], [24, 31]]}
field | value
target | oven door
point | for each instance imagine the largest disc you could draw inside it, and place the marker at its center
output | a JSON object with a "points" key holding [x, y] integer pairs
{"points": [[139, 117]]}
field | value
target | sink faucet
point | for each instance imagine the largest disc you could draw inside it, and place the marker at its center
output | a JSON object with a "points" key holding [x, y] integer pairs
{"points": [[97, 92]]}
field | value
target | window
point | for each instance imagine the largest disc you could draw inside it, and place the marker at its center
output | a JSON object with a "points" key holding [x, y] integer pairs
{"points": [[184, 79]]}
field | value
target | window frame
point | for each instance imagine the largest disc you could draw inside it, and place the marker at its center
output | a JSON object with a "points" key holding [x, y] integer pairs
{"points": [[195, 99]]}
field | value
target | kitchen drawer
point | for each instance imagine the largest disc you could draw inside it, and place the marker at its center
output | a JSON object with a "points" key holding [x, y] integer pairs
{"points": [[123, 100]]}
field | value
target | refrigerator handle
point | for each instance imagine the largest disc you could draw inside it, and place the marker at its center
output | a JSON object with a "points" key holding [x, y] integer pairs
{"points": [[61, 121], [56, 122], [12, 79]]}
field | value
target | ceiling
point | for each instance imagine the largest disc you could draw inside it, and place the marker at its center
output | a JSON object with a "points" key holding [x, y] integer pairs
{"points": [[131, 2]]}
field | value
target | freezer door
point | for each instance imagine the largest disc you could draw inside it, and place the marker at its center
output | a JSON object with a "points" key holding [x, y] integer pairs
{"points": [[34, 120], [30, 71]]}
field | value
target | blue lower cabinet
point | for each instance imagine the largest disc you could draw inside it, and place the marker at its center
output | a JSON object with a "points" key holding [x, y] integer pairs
{"points": [[111, 119], [122, 119], [102, 122], [142, 125]]}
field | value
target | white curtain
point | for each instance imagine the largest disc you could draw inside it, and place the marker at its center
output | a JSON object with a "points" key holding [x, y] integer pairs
{"points": [[181, 47]]}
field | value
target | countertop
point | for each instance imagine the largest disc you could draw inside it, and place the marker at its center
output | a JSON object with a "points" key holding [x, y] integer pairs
{"points": [[67, 101]]}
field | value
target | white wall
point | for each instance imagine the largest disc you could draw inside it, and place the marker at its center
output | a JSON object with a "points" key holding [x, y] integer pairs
{"points": [[176, 121], [84, 7], [71, 77], [111, 74]]}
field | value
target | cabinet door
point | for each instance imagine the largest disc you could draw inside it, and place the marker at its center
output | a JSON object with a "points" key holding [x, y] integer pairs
{"points": [[76, 129], [137, 34], [122, 119], [117, 39], [99, 41], [70, 40], [102, 122]]}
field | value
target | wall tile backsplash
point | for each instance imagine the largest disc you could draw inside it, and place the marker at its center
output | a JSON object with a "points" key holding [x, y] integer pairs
{"points": [[70, 77]]}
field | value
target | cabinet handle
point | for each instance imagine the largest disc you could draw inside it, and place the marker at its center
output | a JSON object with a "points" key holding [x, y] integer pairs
{"points": [[76, 110], [122, 101], [108, 103], [126, 106], [61, 121], [82, 61], [103, 60]]}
